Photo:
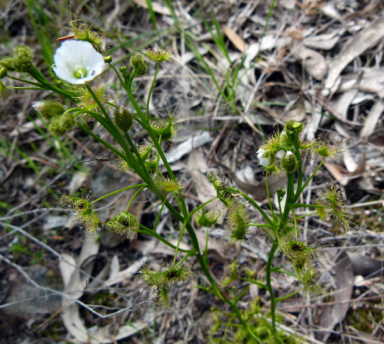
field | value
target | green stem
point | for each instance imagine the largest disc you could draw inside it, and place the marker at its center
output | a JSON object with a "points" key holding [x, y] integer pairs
{"points": [[150, 232], [35, 73], [288, 296], [301, 205], [206, 246], [90, 133], [134, 195], [299, 168], [299, 191], [269, 198], [118, 191], [288, 201], [158, 216], [238, 298], [250, 200], [283, 272], [185, 258], [25, 81], [178, 242], [26, 88], [261, 285], [295, 221], [269, 285], [151, 89]]}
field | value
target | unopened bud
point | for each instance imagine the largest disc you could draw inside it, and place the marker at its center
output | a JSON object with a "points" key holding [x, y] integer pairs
{"points": [[108, 59], [7, 63], [3, 73], [137, 61], [289, 162], [280, 194], [123, 118], [60, 125], [49, 109], [23, 58], [293, 128]]}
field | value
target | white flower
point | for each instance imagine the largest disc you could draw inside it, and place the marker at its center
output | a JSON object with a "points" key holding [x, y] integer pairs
{"points": [[289, 153], [77, 62], [263, 161]]}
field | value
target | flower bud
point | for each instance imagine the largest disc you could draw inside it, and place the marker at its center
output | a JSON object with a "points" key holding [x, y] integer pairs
{"points": [[124, 72], [137, 61], [280, 194], [289, 162], [7, 63], [108, 59], [141, 69], [293, 128], [23, 58], [60, 125], [49, 109], [3, 73], [123, 118], [2, 88]]}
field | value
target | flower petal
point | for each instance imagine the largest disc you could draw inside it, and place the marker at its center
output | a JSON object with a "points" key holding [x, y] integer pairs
{"points": [[74, 54]]}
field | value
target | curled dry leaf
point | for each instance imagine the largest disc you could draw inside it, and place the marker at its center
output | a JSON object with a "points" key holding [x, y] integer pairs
{"points": [[333, 314], [372, 119], [364, 40], [313, 62]]}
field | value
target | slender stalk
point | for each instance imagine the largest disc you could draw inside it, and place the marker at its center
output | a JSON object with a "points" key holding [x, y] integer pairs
{"points": [[299, 191], [134, 195], [269, 285], [288, 296], [269, 198], [189, 254], [158, 216], [150, 232], [121, 190], [90, 133], [151, 89], [250, 200], [25, 81], [206, 246]]}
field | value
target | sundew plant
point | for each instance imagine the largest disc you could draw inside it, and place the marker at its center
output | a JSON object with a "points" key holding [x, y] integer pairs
{"points": [[78, 62]]}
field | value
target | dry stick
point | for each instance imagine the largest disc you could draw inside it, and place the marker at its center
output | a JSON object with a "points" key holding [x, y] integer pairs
{"points": [[58, 255], [67, 297], [29, 212], [47, 186]]}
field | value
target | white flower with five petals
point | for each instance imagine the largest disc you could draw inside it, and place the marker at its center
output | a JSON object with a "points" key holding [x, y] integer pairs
{"points": [[263, 161], [77, 62]]}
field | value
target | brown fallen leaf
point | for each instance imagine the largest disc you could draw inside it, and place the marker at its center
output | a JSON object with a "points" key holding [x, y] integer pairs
{"points": [[218, 248], [333, 314], [313, 62], [362, 41], [237, 41], [337, 172], [365, 266]]}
